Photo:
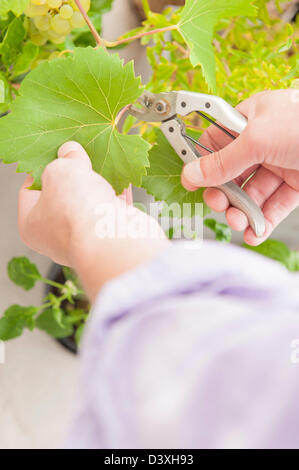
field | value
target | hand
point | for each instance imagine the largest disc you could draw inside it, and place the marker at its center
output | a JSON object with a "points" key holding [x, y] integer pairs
{"points": [[61, 221], [267, 149]]}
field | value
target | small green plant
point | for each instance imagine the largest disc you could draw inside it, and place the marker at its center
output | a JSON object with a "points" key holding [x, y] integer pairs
{"points": [[63, 312]]}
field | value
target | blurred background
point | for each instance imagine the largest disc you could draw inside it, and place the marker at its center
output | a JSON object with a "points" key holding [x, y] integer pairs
{"points": [[38, 379]]}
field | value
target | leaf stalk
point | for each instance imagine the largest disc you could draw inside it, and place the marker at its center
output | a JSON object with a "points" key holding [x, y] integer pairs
{"points": [[139, 36], [89, 23]]}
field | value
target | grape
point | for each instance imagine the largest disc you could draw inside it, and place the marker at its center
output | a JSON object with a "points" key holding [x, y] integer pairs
{"points": [[66, 12], [38, 39], [55, 37], [54, 3], [59, 40], [77, 20], [53, 20], [60, 26], [42, 22], [85, 4], [36, 10]]}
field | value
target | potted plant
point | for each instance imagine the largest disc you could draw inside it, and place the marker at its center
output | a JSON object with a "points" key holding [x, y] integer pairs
{"points": [[74, 86]]}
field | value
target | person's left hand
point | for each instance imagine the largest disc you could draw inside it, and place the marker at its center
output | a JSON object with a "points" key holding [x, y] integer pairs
{"points": [[60, 221]]}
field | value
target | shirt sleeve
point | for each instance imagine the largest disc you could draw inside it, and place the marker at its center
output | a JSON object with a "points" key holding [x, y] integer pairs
{"points": [[197, 349]]}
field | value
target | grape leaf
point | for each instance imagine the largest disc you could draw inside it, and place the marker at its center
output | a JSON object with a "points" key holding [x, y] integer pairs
{"points": [[22, 272], [25, 59], [76, 98], [12, 42], [163, 179], [16, 6], [15, 319], [198, 19]]}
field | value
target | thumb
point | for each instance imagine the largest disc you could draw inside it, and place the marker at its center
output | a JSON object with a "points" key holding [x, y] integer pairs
{"points": [[74, 151], [28, 198], [219, 167]]}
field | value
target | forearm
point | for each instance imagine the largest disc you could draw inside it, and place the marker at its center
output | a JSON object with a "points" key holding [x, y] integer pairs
{"points": [[98, 259]]}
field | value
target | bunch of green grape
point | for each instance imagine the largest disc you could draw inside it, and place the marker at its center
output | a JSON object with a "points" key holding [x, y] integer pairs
{"points": [[53, 20]]}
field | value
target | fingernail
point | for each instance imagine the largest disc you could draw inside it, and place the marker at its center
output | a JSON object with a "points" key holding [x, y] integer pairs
{"points": [[69, 147], [193, 173]]}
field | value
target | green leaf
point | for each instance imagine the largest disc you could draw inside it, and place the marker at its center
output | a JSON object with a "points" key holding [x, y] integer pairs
{"points": [[293, 261], [15, 320], [24, 60], [198, 19], [70, 275], [12, 42], [48, 321], [163, 178], [5, 94], [223, 232], [79, 333], [285, 47], [16, 6], [278, 251], [76, 98], [22, 272]]}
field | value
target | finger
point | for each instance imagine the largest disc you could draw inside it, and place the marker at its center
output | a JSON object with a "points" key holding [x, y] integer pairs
{"points": [[260, 187], [216, 199], [28, 199], [275, 210], [236, 219], [127, 196], [214, 138], [220, 167], [240, 180], [74, 151]]}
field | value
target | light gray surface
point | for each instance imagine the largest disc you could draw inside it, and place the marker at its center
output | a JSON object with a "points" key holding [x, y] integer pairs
{"points": [[38, 380]]}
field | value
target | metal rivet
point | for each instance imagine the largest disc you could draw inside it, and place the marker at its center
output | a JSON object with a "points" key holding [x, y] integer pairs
{"points": [[184, 152], [171, 129], [183, 104], [208, 105]]}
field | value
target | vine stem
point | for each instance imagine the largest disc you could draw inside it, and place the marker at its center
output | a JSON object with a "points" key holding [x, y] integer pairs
{"points": [[89, 23], [102, 43], [140, 35]]}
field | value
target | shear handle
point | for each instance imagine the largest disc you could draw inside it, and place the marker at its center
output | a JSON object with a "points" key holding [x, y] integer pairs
{"points": [[173, 131], [188, 102]]}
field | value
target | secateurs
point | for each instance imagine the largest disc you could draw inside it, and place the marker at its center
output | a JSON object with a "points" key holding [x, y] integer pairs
{"points": [[165, 107]]}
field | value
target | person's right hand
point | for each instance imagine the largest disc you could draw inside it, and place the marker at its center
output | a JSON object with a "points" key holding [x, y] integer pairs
{"points": [[268, 149]]}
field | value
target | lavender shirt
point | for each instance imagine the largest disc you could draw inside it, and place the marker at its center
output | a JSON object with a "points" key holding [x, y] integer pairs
{"points": [[197, 349]]}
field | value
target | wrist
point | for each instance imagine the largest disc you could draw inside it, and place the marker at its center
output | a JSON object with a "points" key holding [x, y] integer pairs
{"points": [[98, 256]]}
